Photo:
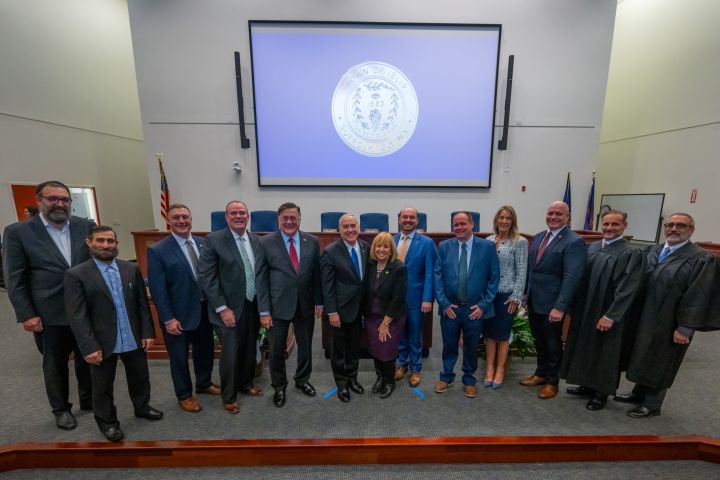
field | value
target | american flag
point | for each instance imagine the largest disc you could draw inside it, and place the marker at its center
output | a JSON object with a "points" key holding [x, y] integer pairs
{"points": [[164, 195]]}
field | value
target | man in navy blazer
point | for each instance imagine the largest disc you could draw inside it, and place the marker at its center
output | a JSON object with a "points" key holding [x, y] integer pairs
{"points": [[467, 274], [556, 263], [182, 310], [418, 254]]}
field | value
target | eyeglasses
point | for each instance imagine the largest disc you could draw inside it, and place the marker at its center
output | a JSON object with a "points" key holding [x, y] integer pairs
{"points": [[54, 199], [679, 226]]}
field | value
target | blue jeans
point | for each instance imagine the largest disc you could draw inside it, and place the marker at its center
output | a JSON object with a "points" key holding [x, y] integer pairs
{"points": [[451, 330], [410, 348]]}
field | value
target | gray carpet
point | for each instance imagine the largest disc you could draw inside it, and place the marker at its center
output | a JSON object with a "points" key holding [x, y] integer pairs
{"points": [[690, 407], [570, 471]]}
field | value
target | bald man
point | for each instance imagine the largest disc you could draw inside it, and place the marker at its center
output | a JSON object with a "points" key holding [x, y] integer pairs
{"points": [[556, 263]]}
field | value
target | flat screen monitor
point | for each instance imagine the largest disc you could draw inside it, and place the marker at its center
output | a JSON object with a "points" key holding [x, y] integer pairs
{"points": [[374, 104]]}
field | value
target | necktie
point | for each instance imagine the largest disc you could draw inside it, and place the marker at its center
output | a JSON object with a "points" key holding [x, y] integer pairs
{"points": [[193, 256], [543, 246], [403, 248], [604, 243], [462, 274], [356, 262], [293, 255], [249, 271], [663, 254]]}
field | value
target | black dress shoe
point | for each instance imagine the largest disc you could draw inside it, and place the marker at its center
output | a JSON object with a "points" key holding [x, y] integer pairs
{"points": [[306, 388], [628, 398], [279, 398], [387, 390], [343, 394], [377, 386], [642, 411], [150, 413], [579, 390], [114, 434], [355, 386], [597, 402], [65, 420]]}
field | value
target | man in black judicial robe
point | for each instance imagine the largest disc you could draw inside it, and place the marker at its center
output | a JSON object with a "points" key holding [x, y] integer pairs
{"points": [[600, 315], [680, 288]]}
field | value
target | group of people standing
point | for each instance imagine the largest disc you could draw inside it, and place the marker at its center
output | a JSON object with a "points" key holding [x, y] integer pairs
{"points": [[630, 309]]}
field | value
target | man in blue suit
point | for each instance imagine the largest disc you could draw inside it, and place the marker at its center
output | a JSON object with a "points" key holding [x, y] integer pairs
{"points": [[467, 274], [418, 253], [172, 278], [556, 263]]}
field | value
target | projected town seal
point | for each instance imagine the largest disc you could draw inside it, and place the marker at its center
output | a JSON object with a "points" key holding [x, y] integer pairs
{"points": [[375, 109]]}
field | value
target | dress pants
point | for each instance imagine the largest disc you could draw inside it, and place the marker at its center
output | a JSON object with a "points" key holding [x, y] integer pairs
{"points": [[345, 351], [548, 343], [56, 342], [304, 327], [652, 398], [385, 370], [103, 383], [178, 346], [410, 348], [238, 355], [451, 329]]}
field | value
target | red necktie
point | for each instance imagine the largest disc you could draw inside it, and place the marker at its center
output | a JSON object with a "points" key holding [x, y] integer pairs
{"points": [[293, 255], [543, 246]]}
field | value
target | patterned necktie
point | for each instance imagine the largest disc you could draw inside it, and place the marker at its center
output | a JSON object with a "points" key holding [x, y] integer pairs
{"points": [[462, 274], [543, 246], [403, 248], [604, 243], [249, 271], [293, 255], [663, 254], [356, 262], [193, 257]]}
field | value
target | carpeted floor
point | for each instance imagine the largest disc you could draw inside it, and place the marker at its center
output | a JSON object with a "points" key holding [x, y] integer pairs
{"points": [[690, 407]]}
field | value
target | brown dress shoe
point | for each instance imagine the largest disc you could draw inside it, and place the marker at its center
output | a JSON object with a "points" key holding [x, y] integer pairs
{"points": [[414, 379], [470, 391], [400, 373], [254, 391], [190, 405], [211, 390], [532, 381], [441, 387], [548, 391], [231, 407]]}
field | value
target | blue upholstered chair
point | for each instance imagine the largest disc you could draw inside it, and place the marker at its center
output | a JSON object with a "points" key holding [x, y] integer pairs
{"points": [[329, 221], [475, 218], [217, 220], [263, 221], [374, 222]]}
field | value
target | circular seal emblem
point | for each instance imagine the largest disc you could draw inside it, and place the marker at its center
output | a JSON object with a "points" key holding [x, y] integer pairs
{"points": [[374, 109]]}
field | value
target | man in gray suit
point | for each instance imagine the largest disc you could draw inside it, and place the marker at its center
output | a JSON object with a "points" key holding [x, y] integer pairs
{"points": [[229, 264], [290, 292], [36, 254]]}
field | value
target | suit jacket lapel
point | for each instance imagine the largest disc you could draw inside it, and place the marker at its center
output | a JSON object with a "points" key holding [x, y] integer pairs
{"points": [[43, 234], [555, 241], [94, 273], [76, 241], [232, 245], [281, 245], [177, 250], [455, 257]]}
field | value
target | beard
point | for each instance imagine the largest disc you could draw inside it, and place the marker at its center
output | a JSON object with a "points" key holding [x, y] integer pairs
{"points": [[103, 254], [57, 215]]}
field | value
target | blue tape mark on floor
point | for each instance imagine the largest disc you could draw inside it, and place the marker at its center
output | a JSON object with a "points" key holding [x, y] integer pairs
{"points": [[330, 393], [419, 392]]}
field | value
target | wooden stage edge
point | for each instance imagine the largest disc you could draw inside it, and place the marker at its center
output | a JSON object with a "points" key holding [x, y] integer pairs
{"points": [[358, 451]]}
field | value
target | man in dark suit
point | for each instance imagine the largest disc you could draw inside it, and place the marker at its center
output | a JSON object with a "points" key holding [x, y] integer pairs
{"points": [[289, 291], [229, 264], [467, 275], [36, 254], [182, 310], [418, 254], [556, 263], [343, 267], [109, 314]]}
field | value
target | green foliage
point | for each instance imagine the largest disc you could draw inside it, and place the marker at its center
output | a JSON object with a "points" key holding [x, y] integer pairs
{"points": [[521, 339]]}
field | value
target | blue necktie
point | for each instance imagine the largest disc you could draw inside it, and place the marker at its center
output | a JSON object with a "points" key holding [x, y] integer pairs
{"points": [[356, 262], [462, 274], [663, 254]]}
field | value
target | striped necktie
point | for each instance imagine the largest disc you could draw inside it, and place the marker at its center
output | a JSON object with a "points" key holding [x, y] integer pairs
{"points": [[249, 271]]}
